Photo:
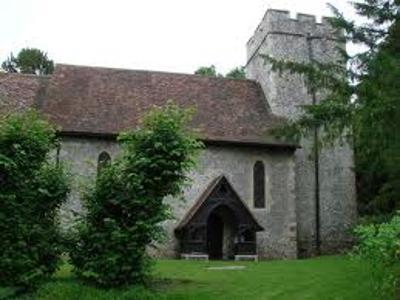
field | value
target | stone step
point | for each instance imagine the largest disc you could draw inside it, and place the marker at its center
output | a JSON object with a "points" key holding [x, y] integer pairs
{"points": [[253, 257], [193, 256]]}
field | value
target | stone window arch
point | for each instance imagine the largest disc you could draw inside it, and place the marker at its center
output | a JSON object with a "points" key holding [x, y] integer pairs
{"points": [[103, 161], [259, 185]]}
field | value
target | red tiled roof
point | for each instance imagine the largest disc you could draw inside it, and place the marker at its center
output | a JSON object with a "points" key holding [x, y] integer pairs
{"points": [[94, 100], [20, 91]]}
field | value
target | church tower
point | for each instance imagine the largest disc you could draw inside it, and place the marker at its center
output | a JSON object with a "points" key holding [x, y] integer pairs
{"points": [[325, 182]]}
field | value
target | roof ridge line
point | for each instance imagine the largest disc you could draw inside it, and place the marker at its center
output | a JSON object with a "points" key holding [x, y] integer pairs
{"points": [[153, 71]]}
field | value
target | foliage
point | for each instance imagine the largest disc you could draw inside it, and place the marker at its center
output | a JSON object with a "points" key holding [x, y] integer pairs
{"points": [[379, 244], [32, 189], [29, 61], [312, 279], [208, 71], [211, 71], [236, 73], [362, 101], [126, 207]]}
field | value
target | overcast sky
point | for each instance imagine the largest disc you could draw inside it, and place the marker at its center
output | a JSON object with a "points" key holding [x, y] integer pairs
{"points": [[165, 35]]}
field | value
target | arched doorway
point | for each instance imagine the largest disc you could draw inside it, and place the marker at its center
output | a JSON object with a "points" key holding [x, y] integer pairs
{"points": [[221, 231]]}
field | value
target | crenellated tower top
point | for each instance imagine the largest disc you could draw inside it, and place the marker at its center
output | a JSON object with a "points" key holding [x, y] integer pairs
{"points": [[282, 37], [279, 22]]}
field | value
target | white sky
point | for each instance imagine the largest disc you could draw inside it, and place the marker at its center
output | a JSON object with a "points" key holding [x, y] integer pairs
{"points": [[165, 35]]}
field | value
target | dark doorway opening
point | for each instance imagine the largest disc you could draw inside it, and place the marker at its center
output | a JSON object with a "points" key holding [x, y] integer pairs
{"points": [[215, 234], [221, 233]]}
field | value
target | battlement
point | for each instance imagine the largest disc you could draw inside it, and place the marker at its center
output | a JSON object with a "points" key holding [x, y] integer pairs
{"points": [[280, 22]]}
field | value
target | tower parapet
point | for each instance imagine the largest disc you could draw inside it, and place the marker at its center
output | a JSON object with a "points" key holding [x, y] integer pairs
{"points": [[279, 22], [282, 37]]}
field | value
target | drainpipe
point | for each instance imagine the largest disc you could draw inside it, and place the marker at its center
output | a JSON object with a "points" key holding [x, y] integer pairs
{"points": [[316, 160]]}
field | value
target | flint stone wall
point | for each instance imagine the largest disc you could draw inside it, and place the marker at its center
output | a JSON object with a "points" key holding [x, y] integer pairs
{"points": [[279, 240]]}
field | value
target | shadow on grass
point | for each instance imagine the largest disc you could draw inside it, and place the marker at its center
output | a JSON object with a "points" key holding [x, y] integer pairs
{"points": [[70, 287], [160, 285]]}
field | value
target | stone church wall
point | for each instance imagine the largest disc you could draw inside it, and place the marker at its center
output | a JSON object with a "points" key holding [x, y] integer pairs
{"points": [[80, 155], [278, 217], [300, 39]]}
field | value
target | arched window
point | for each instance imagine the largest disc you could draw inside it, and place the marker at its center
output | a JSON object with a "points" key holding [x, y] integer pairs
{"points": [[259, 184], [103, 161]]}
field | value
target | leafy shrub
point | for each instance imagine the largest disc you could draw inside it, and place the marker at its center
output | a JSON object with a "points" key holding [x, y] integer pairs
{"points": [[125, 207], [32, 189], [379, 244]]}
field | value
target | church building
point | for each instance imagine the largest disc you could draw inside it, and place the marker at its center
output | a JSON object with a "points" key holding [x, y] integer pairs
{"points": [[251, 194]]}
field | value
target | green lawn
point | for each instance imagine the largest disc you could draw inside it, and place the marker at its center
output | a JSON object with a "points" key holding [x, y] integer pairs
{"points": [[321, 278]]}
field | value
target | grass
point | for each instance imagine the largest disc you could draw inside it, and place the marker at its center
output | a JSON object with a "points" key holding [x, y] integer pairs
{"points": [[324, 278]]}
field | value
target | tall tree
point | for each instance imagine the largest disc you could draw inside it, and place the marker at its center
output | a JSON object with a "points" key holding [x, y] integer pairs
{"points": [[29, 61], [364, 104]]}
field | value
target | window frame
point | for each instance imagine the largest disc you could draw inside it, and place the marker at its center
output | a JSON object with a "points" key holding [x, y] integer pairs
{"points": [[259, 187]]}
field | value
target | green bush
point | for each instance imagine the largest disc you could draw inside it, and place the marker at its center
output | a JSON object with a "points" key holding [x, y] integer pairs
{"points": [[32, 189], [379, 244], [125, 207]]}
